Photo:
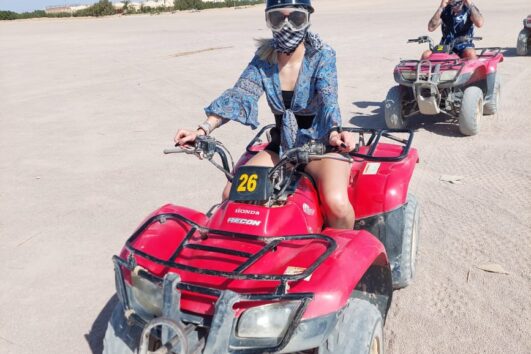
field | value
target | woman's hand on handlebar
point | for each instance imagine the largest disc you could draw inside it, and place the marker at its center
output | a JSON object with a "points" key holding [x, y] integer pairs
{"points": [[344, 141], [184, 136]]}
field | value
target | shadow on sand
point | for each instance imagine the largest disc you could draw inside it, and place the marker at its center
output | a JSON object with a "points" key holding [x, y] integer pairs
{"points": [[372, 120], [439, 124], [94, 337], [509, 52]]}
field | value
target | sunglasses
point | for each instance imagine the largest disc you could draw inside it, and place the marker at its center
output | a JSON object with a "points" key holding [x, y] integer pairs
{"points": [[296, 19], [457, 3]]}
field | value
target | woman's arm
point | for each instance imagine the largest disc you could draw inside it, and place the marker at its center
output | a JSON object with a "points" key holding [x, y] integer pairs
{"points": [[475, 15], [327, 88], [186, 136], [436, 19], [239, 103]]}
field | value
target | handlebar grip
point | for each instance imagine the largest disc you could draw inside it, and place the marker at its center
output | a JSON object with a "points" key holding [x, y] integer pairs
{"points": [[174, 150], [179, 149], [412, 40]]}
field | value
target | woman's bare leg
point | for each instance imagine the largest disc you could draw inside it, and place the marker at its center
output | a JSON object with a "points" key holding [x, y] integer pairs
{"points": [[263, 158], [469, 53], [426, 54], [332, 177]]}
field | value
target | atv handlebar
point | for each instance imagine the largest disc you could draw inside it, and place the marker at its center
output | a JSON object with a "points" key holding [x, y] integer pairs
{"points": [[464, 39], [427, 39], [179, 150], [206, 147], [421, 39], [310, 151]]}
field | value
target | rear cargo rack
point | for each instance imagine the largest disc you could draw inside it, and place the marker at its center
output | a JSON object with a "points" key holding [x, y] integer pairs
{"points": [[491, 51], [375, 137], [249, 258]]}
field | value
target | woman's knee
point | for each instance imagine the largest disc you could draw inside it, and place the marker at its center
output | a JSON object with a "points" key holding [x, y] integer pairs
{"points": [[337, 204], [426, 54], [469, 53]]}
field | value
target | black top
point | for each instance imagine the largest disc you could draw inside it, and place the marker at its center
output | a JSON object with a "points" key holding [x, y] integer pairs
{"points": [[456, 25], [304, 122]]}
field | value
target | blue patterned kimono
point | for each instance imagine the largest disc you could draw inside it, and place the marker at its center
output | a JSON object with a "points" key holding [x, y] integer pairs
{"points": [[315, 94]]}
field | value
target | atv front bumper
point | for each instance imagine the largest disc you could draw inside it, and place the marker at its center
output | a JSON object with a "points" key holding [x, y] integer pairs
{"points": [[218, 334]]}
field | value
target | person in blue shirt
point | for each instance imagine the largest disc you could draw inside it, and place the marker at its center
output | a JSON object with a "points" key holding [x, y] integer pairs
{"points": [[458, 18], [297, 72]]}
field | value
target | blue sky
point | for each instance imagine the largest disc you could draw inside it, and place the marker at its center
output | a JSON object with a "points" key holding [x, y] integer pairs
{"points": [[30, 5]]}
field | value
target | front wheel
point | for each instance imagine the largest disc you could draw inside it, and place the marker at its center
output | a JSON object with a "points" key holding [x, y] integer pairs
{"points": [[521, 44], [492, 106], [471, 111], [120, 338], [359, 330], [394, 118], [410, 239]]}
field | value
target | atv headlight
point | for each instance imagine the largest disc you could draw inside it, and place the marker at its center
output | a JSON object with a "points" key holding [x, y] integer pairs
{"points": [[146, 294], [267, 321], [409, 75], [448, 75]]}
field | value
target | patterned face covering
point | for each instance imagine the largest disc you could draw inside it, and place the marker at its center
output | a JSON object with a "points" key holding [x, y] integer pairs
{"points": [[286, 40]]}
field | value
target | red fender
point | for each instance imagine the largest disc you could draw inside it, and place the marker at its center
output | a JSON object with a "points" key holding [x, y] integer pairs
{"points": [[384, 188], [161, 240], [336, 278]]}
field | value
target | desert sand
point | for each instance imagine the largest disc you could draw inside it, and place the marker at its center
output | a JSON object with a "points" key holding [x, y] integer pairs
{"points": [[88, 105]]}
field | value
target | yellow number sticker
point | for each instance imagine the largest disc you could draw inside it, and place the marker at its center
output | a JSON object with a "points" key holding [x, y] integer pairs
{"points": [[251, 183], [247, 183], [440, 47], [243, 181]]}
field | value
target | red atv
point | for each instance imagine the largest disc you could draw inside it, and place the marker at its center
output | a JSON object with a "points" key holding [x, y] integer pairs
{"points": [[258, 273], [524, 38], [444, 83]]}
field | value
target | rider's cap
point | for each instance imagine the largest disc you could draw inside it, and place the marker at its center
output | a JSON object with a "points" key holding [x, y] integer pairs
{"points": [[273, 4]]}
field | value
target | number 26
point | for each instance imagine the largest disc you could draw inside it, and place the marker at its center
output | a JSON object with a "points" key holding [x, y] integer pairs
{"points": [[247, 183]]}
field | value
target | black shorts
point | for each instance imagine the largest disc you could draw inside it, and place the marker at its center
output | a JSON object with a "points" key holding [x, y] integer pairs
{"points": [[274, 144], [304, 122]]}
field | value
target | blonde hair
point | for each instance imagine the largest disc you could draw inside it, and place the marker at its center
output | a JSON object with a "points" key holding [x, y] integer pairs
{"points": [[265, 50]]}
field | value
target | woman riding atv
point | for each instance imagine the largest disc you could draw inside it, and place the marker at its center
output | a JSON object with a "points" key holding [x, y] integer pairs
{"points": [[458, 18], [297, 72]]}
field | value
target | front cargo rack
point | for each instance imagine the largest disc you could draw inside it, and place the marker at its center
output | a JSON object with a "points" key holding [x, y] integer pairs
{"points": [[425, 69], [222, 322], [270, 243]]}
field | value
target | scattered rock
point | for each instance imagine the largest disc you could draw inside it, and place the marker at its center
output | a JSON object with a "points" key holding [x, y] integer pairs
{"points": [[492, 268], [452, 179]]}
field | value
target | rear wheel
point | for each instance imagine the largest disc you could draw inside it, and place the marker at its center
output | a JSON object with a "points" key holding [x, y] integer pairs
{"points": [[521, 44], [410, 237], [359, 330], [491, 107], [471, 111], [120, 338], [394, 118]]}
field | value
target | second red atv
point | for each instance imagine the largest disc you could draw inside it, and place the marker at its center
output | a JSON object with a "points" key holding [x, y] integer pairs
{"points": [[444, 83], [258, 273]]}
